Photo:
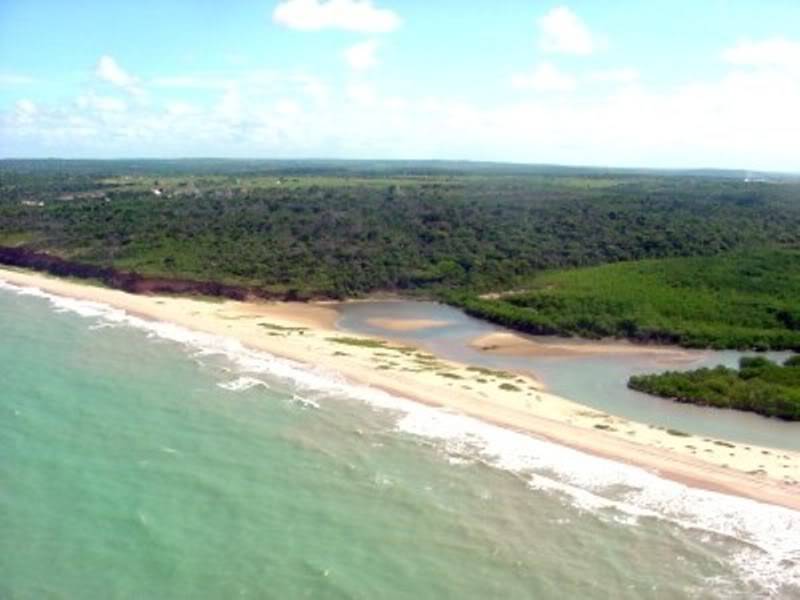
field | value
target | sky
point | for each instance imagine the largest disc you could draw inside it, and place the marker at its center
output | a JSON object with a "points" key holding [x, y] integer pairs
{"points": [[659, 83]]}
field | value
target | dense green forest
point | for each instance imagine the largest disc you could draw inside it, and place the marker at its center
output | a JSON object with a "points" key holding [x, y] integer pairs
{"points": [[759, 385], [440, 229], [746, 299]]}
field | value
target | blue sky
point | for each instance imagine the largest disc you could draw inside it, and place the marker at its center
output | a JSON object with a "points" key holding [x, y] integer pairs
{"points": [[702, 83]]}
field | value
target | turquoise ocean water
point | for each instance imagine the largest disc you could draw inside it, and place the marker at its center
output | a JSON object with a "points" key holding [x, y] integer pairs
{"points": [[141, 460]]}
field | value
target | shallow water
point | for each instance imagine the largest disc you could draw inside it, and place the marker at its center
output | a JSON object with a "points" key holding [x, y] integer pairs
{"points": [[597, 380], [141, 460]]}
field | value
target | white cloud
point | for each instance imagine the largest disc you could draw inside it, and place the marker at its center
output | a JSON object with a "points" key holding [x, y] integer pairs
{"points": [[230, 105], [101, 103], [362, 56], [562, 32], [108, 70], [26, 106], [546, 77], [349, 15], [773, 52], [395, 103], [287, 108], [25, 112], [745, 119], [198, 82], [363, 94], [312, 87], [181, 109], [623, 75]]}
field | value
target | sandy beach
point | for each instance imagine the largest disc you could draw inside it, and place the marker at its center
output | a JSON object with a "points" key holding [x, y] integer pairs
{"points": [[306, 333], [513, 344]]}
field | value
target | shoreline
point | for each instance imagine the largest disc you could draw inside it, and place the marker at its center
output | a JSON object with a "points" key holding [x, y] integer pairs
{"points": [[306, 333]]}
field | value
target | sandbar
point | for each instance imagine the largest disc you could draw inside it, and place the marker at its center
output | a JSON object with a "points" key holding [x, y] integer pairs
{"points": [[513, 344], [406, 324]]}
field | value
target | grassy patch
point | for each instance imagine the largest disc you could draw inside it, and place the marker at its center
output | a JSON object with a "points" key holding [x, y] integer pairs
{"points": [[724, 444], [604, 427], [509, 387], [359, 342], [492, 372], [283, 328], [678, 433], [371, 343], [450, 375]]}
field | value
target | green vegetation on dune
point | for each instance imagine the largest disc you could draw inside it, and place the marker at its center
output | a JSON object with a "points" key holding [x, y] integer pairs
{"points": [[759, 386], [741, 300]]}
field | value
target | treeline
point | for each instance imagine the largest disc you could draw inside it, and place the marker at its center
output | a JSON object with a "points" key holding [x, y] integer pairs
{"points": [[127, 281], [759, 386], [744, 300], [343, 235]]}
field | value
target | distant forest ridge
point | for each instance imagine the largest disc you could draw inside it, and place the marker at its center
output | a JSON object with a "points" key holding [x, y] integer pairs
{"points": [[212, 165]]}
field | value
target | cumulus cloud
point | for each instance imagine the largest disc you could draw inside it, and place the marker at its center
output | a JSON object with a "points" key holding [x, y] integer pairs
{"points": [[109, 71], [362, 56], [562, 32], [772, 52], [546, 77], [348, 15]]}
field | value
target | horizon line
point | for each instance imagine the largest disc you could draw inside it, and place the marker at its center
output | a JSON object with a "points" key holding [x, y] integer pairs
{"points": [[403, 160]]}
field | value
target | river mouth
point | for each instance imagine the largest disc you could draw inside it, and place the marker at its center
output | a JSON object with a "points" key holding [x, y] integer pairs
{"points": [[592, 373]]}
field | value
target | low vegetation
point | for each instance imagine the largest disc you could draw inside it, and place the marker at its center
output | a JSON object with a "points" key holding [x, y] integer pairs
{"points": [[492, 372], [509, 387], [759, 385], [360, 342], [283, 328], [740, 300]]}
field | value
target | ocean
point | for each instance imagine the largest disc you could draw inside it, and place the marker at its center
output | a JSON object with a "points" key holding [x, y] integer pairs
{"points": [[143, 460]]}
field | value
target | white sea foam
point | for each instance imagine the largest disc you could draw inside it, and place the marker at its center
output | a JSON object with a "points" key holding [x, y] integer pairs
{"points": [[242, 384], [770, 555], [306, 402]]}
